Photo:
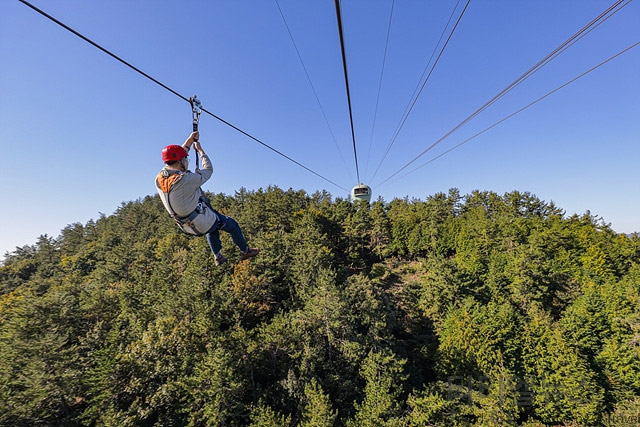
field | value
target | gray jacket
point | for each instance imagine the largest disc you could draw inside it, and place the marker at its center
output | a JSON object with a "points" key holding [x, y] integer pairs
{"points": [[180, 193]]}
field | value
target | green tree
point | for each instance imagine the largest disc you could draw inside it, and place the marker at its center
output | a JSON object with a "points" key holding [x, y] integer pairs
{"points": [[317, 411], [265, 416], [482, 310], [41, 364], [383, 374], [563, 387], [216, 389], [380, 233], [481, 340], [152, 371]]}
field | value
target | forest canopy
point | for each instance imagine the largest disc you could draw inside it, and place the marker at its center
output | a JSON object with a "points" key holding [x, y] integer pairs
{"points": [[475, 310]]}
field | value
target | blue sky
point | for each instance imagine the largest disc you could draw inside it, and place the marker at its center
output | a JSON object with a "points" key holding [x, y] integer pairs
{"points": [[81, 132]]}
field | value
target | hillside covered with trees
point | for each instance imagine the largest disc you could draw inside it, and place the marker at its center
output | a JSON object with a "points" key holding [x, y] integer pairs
{"points": [[477, 310]]}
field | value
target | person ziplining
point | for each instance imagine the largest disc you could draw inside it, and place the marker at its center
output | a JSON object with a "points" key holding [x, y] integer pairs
{"points": [[182, 196]]}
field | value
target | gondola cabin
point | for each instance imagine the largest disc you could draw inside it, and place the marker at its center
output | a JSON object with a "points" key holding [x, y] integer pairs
{"points": [[361, 192]]}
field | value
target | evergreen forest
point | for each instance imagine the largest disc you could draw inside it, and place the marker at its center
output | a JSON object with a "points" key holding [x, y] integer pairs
{"points": [[457, 310]]}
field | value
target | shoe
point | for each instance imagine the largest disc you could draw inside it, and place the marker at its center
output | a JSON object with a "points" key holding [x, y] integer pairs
{"points": [[220, 259], [251, 252]]}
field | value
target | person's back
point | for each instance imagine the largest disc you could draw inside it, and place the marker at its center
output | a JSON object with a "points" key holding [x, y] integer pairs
{"points": [[184, 186]]}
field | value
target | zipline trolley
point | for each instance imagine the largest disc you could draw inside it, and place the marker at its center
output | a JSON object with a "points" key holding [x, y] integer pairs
{"points": [[196, 110]]}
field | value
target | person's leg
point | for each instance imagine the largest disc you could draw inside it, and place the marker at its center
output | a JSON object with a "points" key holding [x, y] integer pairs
{"points": [[213, 238], [230, 225]]}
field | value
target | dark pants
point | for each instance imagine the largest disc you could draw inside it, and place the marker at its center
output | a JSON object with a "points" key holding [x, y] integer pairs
{"points": [[228, 224]]}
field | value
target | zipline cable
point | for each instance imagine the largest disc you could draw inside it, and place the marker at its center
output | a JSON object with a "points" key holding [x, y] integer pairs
{"points": [[375, 114], [346, 82], [415, 98], [517, 111], [313, 88], [66, 27], [577, 36]]}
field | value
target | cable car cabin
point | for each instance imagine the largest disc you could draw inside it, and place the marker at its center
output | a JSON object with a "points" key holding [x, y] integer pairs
{"points": [[361, 192]]}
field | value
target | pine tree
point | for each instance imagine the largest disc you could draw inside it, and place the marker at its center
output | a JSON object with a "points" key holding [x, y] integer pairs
{"points": [[563, 387], [264, 416], [317, 411], [383, 375]]}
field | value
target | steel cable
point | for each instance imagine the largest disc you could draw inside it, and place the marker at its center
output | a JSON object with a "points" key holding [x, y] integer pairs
{"points": [[418, 90], [375, 113], [66, 27], [315, 93], [518, 111], [561, 48], [346, 82]]}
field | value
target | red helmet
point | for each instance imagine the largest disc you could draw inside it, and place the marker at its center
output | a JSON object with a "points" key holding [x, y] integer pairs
{"points": [[173, 153]]}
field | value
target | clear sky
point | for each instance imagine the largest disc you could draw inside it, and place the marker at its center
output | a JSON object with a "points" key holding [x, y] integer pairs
{"points": [[81, 133]]}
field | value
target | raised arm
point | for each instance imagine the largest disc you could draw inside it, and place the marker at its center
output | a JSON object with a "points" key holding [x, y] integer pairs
{"points": [[192, 138]]}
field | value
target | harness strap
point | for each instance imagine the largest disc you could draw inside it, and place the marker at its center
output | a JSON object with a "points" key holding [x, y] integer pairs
{"points": [[190, 217], [165, 180]]}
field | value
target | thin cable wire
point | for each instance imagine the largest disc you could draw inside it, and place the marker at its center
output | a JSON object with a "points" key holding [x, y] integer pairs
{"points": [[66, 27], [344, 163], [384, 60], [415, 99], [346, 82], [557, 51], [426, 66], [273, 149], [518, 111]]}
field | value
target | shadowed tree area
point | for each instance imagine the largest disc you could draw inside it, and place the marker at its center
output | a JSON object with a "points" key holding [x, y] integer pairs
{"points": [[476, 310]]}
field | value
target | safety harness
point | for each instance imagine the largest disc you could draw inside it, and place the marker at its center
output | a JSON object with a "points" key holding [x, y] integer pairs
{"points": [[165, 181]]}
